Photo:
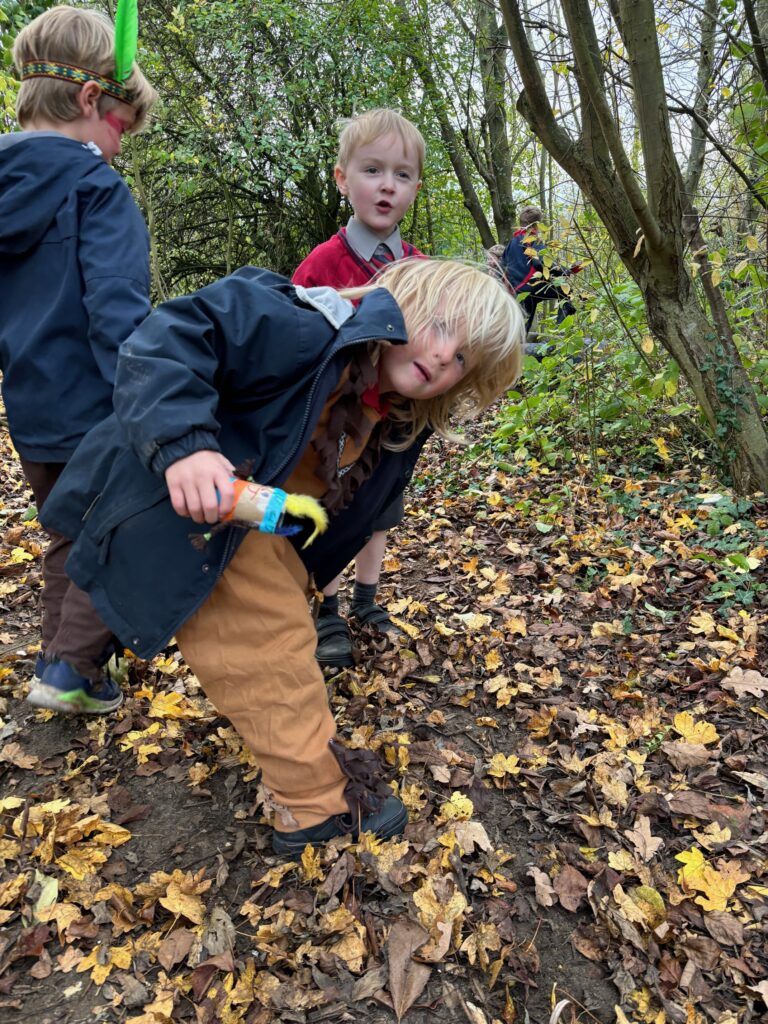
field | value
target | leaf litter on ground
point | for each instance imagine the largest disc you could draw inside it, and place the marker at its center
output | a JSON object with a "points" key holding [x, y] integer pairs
{"points": [[575, 719]]}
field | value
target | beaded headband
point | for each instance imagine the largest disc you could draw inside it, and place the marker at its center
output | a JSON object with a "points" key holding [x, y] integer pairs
{"points": [[79, 76], [126, 39]]}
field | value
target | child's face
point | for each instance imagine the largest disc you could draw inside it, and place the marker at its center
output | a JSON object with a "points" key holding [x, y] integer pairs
{"points": [[432, 362], [381, 181], [107, 129]]}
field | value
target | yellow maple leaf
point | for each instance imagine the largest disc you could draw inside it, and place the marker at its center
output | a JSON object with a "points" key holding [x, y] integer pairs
{"points": [[712, 835], [11, 891], [83, 860], [717, 886], [352, 948], [407, 627], [473, 621], [493, 660], [458, 807], [692, 731], [661, 448], [102, 959], [541, 722], [622, 860], [174, 705], [310, 864], [500, 765]]}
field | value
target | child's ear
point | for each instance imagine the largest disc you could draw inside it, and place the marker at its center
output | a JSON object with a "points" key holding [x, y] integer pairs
{"points": [[341, 179], [88, 99]]}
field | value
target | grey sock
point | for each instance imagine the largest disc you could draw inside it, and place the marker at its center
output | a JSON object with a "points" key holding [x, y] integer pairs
{"points": [[364, 594]]}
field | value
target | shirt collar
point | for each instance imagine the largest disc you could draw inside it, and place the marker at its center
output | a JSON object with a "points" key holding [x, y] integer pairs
{"points": [[365, 242]]}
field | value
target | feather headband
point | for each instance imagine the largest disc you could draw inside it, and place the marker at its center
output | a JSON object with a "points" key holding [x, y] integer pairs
{"points": [[126, 41]]}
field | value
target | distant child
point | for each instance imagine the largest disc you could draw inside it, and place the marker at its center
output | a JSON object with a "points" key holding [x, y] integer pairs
{"points": [[378, 169], [311, 392], [528, 275], [74, 282]]}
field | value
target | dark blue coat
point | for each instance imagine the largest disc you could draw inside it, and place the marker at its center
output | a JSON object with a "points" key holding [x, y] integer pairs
{"points": [[74, 282], [243, 366]]}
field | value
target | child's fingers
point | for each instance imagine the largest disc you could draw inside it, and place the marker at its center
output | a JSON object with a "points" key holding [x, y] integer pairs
{"points": [[199, 485], [226, 491], [178, 500]]}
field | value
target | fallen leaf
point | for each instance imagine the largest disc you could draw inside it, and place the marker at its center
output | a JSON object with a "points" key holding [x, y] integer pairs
{"points": [[571, 886], [640, 837], [545, 894], [407, 978]]}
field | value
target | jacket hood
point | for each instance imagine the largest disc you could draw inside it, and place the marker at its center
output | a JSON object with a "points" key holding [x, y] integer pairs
{"points": [[37, 172]]}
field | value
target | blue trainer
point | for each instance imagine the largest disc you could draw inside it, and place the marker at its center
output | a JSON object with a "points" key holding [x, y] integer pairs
{"points": [[66, 691], [386, 823]]}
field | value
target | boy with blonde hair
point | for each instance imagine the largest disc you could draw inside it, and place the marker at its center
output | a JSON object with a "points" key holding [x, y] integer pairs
{"points": [[74, 267], [378, 169], [250, 369]]}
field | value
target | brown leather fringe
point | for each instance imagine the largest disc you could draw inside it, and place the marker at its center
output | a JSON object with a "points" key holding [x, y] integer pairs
{"points": [[366, 790], [348, 417]]}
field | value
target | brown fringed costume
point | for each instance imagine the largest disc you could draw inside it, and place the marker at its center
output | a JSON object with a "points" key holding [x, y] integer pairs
{"points": [[252, 644]]}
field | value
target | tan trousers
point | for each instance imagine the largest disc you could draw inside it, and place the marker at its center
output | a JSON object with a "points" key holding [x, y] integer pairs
{"points": [[252, 646]]}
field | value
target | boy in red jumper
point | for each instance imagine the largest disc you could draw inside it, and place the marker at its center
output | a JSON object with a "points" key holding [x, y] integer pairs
{"points": [[379, 165]]}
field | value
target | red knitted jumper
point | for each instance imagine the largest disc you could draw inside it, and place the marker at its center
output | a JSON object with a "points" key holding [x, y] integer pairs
{"points": [[336, 264]]}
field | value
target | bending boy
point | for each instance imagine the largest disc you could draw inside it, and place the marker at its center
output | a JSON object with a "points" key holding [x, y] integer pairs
{"points": [[320, 397]]}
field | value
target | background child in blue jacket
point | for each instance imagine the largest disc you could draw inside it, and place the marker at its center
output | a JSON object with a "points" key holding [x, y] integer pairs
{"points": [[74, 282], [533, 279], [321, 397]]}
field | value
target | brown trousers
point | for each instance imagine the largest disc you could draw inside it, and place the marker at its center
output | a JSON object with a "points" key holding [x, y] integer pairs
{"points": [[252, 646], [71, 628]]}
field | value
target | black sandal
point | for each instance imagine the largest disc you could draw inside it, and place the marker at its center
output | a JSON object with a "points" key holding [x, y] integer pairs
{"points": [[334, 644]]}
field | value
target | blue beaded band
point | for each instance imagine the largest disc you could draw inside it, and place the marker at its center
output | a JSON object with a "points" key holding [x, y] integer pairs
{"points": [[273, 511]]}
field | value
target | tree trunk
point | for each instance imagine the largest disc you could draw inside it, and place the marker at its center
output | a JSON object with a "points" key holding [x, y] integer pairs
{"points": [[656, 217]]}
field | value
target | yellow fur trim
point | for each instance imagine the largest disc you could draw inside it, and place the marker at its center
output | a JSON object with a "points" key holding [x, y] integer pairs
{"points": [[304, 507]]}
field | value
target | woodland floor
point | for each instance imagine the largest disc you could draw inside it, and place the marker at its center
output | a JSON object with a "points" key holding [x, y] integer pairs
{"points": [[576, 717]]}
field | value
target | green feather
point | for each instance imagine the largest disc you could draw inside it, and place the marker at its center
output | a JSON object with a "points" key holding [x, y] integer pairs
{"points": [[126, 37]]}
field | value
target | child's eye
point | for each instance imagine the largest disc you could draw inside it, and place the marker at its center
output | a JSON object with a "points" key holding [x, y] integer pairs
{"points": [[404, 175], [371, 170], [461, 358]]}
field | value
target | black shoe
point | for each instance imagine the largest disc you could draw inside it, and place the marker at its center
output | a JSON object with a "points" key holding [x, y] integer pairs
{"points": [[334, 644], [374, 615], [386, 823]]}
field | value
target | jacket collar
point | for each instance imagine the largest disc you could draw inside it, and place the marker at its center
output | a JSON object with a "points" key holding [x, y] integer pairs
{"points": [[377, 317]]}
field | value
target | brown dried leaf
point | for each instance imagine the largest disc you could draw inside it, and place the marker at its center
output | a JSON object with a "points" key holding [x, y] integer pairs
{"points": [[407, 978], [545, 894], [742, 682], [724, 928], [686, 755], [640, 836], [571, 886], [174, 948]]}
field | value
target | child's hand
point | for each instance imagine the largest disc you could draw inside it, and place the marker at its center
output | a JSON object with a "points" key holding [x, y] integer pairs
{"points": [[201, 486]]}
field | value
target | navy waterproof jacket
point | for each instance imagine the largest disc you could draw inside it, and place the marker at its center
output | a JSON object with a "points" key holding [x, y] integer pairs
{"points": [[518, 263], [244, 366], [74, 282]]}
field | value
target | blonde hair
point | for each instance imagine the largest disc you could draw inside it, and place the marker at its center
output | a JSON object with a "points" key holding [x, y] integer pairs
{"points": [[471, 301], [85, 39], [373, 124]]}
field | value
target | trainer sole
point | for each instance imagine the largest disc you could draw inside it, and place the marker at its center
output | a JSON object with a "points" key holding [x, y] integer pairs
{"points": [[72, 702]]}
